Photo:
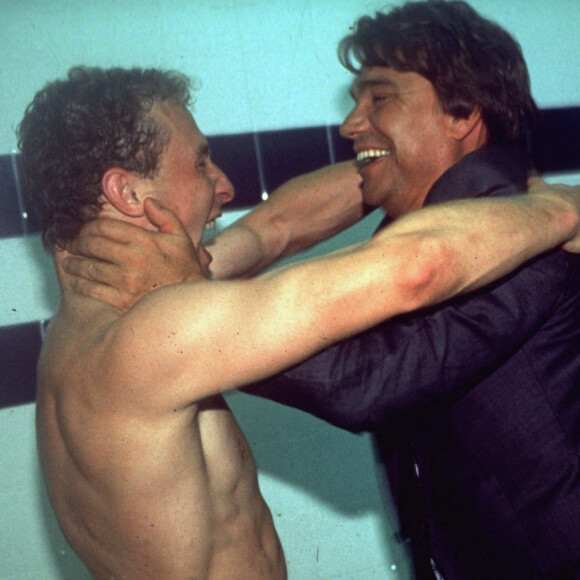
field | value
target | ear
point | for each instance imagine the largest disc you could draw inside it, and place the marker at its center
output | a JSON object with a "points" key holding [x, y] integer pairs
{"points": [[460, 129], [121, 189]]}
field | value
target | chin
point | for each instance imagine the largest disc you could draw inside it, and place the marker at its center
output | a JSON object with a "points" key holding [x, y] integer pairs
{"points": [[373, 198]]}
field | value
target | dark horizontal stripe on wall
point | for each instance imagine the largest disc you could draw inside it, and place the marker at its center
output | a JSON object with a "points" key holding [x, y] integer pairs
{"points": [[257, 163], [286, 154], [236, 156], [19, 349]]}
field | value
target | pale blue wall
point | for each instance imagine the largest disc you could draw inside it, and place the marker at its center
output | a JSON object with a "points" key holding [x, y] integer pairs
{"points": [[263, 64]]}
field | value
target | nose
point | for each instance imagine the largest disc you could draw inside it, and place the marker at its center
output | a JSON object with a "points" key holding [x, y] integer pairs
{"points": [[355, 122], [224, 190]]}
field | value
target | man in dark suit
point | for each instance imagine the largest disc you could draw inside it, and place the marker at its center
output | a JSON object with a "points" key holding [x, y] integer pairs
{"points": [[476, 403]]}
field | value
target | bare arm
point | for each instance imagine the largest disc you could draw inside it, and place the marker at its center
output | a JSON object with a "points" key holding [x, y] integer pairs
{"points": [[206, 337], [302, 212]]}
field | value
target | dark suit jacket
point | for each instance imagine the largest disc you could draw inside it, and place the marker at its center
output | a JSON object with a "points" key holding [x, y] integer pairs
{"points": [[476, 404]]}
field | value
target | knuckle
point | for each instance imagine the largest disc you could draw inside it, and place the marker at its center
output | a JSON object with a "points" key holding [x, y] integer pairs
{"points": [[92, 270]]}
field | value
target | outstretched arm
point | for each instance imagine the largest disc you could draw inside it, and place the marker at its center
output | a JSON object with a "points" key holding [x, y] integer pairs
{"points": [[299, 214], [206, 337]]}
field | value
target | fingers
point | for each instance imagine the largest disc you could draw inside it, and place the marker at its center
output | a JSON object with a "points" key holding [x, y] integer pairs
{"points": [[90, 270], [573, 246], [108, 282], [162, 218], [102, 292], [95, 246], [127, 277], [118, 262]]}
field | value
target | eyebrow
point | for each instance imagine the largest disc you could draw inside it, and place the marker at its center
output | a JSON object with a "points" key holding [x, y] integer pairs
{"points": [[359, 85]]}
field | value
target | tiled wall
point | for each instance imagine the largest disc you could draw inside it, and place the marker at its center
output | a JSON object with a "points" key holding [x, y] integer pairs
{"points": [[255, 163]]}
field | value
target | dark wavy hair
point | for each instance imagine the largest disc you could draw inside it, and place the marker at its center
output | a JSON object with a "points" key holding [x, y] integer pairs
{"points": [[77, 128], [470, 61]]}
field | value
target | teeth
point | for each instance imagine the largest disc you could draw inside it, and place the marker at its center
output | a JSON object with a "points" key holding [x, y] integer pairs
{"points": [[372, 154], [210, 225]]}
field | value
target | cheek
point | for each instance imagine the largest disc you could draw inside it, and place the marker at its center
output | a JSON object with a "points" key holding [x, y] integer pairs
{"points": [[420, 142], [383, 121], [404, 133]]}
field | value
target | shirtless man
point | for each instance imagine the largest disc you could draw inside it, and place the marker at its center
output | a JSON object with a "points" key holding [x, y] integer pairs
{"points": [[146, 468]]}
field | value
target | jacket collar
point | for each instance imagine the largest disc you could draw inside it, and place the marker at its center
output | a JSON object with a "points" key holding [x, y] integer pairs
{"points": [[483, 172]]}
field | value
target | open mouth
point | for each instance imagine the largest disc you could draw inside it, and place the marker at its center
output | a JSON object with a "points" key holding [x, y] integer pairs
{"points": [[210, 226], [369, 155]]}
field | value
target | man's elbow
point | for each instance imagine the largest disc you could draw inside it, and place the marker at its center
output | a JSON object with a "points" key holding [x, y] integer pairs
{"points": [[430, 274]]}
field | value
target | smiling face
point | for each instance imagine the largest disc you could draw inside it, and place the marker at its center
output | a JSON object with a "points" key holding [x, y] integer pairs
{"points": [[402, 138], [188, 182]]}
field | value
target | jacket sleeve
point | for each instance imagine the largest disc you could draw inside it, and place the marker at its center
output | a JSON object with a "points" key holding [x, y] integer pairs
{"points": [[404, 371]]}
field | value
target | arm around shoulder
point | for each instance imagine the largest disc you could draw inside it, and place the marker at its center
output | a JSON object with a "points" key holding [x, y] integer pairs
{"points": [[192, 340], [188, 341]]}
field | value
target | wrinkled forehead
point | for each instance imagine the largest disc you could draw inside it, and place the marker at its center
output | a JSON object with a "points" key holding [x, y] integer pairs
{"points": [[390, 79]]}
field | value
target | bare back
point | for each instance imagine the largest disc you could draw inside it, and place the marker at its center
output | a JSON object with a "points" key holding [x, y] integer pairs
{"points": [[142, 492]]}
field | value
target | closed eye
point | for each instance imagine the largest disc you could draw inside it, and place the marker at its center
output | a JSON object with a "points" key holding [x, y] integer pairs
{"points": [[378, 98]]}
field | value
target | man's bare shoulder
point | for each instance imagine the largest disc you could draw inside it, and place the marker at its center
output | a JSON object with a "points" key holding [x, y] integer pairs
{"points": [[103, 357]]}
